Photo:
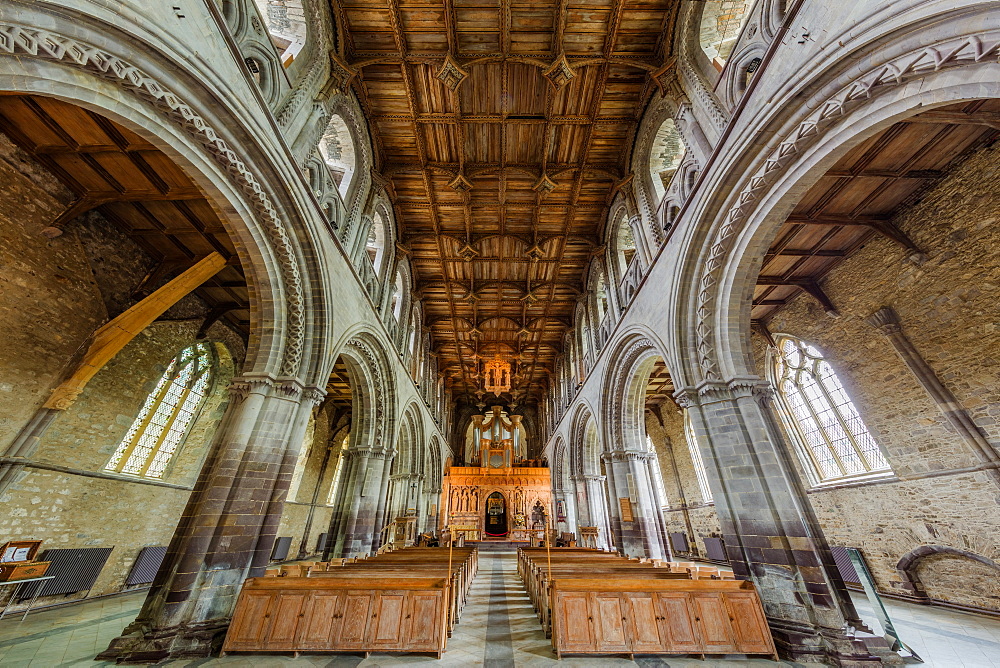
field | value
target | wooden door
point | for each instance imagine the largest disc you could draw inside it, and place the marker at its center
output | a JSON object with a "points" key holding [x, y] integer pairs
{"points": [[643, 628], [753, 636], [386, 629], [574, 623], [354, 621], [288, 613], [321, 625], [424, 621], [714, 627], [677, 625], [609, 618], [252, 618]]}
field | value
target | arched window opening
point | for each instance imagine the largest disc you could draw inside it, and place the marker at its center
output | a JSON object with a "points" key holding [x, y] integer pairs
{"points": [[375, 244], [657, 474], [286, 25], [821, 414], [337, 148], [166, 415], [338, 474], [721, 24], [602, 297], [665, 156], [699, 464], [396, 306], [625, 243]]}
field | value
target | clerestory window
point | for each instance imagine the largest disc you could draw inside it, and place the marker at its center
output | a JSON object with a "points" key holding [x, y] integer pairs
{"points": [[167, 415], [834, 437]]}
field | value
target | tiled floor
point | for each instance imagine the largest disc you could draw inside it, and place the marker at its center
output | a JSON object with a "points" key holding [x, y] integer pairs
{"points": [[498, 629]]}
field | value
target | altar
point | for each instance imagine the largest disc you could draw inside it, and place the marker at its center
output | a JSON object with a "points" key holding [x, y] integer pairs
{"points": [[498, 495]]}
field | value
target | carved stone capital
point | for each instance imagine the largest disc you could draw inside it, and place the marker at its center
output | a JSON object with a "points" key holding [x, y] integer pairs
{"points": [[885, 320], [243, 386]]}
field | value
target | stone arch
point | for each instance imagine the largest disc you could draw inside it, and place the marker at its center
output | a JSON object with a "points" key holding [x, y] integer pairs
{"points": [[373, 392], [923, 557], [623, 391], [346, 106], [720, 25], [824, 130], [270, 258], [584, 448]]}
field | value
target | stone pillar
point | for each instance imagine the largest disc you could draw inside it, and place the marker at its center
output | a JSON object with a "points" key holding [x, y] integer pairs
{"points": [[643, 535], [579, 485], [228, 526], [597, 508], [886, 321], [382, 503], [658, 502], [304, 550], [772, 536]]}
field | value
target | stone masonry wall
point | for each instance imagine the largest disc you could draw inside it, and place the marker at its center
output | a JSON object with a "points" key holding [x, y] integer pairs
{"points": [[948, 308]]}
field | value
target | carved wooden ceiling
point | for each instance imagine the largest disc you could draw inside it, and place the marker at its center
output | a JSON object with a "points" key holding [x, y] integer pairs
{"points": [[135, 186], [857, 198], [503, 129]]}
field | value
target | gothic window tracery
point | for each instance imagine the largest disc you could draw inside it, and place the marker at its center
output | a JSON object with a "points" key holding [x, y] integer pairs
{"points": [[166, 416], [823, 417]]}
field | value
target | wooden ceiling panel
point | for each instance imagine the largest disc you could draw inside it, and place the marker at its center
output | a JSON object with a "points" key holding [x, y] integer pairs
{"points": [[511, 266]]}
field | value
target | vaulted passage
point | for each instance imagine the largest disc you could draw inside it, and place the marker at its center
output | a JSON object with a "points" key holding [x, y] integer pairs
{"points": [[676, 320]]}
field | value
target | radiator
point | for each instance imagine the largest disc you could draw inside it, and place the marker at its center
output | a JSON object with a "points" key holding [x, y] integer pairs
{"points": [[321, 542], [74, 570], [845, 566], [679, 541], [715, 549], [281, 546], [146, 564]]}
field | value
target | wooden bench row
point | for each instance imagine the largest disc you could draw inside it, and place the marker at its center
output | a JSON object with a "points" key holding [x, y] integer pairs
{"points": [[593, 602], [403, 601]]}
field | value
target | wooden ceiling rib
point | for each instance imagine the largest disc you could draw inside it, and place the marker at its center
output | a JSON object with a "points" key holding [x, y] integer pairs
{"points": [[134, 185], [499, 264], [857, 198]]}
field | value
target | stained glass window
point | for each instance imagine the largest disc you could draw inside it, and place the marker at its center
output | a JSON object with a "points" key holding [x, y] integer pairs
{"points": [[166, 415], [696, 460], [834, 435]]}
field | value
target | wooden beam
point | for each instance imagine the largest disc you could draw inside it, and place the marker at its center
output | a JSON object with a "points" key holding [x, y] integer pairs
{"points": [[115, 334]]}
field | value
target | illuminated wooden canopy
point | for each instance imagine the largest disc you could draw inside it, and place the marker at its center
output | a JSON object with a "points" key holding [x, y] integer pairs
{"points": [[503, 129]]}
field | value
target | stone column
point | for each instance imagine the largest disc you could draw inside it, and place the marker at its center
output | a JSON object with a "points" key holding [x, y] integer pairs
{"points": [[597, 508], [579, 485], [227, 526], [886, 321], [381, 520], [643, 535], [356, 525], [660, 522], [304, 550], [772, 536]]}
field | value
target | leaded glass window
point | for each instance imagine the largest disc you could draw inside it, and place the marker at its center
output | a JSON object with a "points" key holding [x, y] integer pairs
{"points": [[834, 435], [166, 415]]}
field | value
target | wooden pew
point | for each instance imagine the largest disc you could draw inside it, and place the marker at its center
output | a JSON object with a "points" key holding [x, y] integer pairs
{"points": [[601, 603], [407, 600]]}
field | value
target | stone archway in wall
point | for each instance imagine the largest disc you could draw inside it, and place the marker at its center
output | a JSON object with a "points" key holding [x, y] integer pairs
{"points": [[360, 502], [951, 577], [729, 262], [633, 470]]}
